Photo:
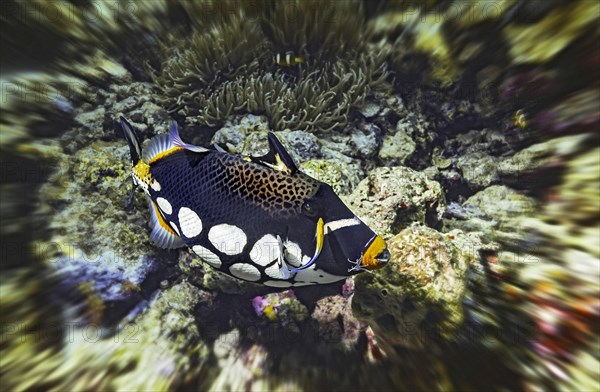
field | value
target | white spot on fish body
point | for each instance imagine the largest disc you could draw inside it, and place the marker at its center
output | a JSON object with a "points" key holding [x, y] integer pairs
{"points": [[189, 222], [175, 229], [207, 256], [245, 271], [156, 186], [164, 205], [293, 254], [265, 250], [228, 239]]}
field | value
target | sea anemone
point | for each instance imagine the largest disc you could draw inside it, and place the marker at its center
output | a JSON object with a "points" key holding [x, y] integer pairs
{"points": [[228, 67]]}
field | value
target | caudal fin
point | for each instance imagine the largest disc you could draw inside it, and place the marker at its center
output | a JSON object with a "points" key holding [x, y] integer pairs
{"points": [[133, 140]]}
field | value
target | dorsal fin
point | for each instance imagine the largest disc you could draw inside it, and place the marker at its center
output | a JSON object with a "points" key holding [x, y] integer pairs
{"points": [[176, 140], [158, 146], [218, 148], [277, 157]]}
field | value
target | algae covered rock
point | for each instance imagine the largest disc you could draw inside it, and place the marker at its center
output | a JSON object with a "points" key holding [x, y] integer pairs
{"points": [[245, 135], [335, 322], [164, 338], [496, 212], [539, 166], [410, 144], [282, 307], [341, 178], [479, 170], [397, 148], [170, 321], [301, 145], [390, 198], [92, 241], [577, 197], [370, 109], [202, 275], [418, 296], [501, 204], [364, 140], [491, 141], [240, 367], [167, 339]]}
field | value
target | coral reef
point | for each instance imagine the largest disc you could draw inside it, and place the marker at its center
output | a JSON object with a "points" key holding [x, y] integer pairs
{"points": [[418, 297], [336, 322], [316, 100], [319, 30], [496, 212], [282, 307], [468, 140], [390, 199], [207, 83], [165, 338], [331, 172], [228, 48]]}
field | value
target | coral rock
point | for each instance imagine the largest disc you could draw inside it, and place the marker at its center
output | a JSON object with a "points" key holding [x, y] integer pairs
{"points": [[390, 198], [282, 307], [479, 170], [418, 296], [336, 323]]}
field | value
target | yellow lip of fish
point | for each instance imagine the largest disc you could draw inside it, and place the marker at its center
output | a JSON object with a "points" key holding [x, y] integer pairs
{"points": [[376, 255]]}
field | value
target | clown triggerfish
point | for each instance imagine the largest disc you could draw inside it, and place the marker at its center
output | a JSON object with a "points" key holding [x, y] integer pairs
{"points": [[258, 219]]}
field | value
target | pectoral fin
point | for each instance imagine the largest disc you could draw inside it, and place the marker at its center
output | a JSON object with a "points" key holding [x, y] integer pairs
{"points": [[283, 267], [162, 234], [320, 235]]}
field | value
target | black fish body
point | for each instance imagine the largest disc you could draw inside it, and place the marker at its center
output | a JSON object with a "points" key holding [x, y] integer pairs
{"points": [[257, 219]]}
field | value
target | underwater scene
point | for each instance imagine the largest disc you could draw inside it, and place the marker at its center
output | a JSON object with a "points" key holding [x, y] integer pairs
{"points": [[300, 195]]}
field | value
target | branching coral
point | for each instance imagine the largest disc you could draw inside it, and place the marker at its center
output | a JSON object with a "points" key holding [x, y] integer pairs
{"points": [[227, 67]]}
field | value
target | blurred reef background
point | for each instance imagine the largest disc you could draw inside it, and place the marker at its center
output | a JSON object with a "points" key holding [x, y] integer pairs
{"points": [[466, 133]]}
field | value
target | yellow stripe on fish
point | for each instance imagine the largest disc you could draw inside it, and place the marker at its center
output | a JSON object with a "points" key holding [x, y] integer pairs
{"points": [[164, 154]]}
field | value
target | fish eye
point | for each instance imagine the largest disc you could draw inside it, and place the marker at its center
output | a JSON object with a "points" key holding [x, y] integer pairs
{"points": [[308, 209]]}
